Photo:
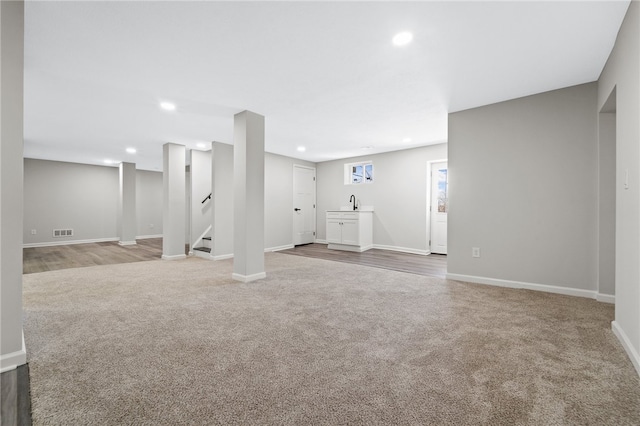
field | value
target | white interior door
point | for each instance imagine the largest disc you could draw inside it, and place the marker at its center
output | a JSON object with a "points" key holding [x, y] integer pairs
{"points": [[304, 205], [439, 206]]}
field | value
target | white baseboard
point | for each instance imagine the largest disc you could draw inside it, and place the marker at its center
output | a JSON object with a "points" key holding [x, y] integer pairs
{"points": [[626, 344], [606, 298], [127, 243], [145, 237], [248, 278], [278, 248], [390, 248], [174, 257], [65, 243], [267, 250], [402, 249], [590, 294], [13, 360], [223, 256]]}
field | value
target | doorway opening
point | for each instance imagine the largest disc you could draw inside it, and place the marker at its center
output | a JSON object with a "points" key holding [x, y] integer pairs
{"points": [[607, 200], [438, 206]]}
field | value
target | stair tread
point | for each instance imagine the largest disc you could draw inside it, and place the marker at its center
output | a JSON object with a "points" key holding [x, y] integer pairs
{"points": [[204, 249], [206, 238]]}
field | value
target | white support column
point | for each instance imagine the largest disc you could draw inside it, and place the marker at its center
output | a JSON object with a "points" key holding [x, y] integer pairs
{"points": [[248, 200], [12, 350], [222, 200], [173, 202], [127, 225]]}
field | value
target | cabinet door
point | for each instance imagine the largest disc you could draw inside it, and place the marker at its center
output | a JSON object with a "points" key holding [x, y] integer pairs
{"points": [[350, 232], [334, 231]]}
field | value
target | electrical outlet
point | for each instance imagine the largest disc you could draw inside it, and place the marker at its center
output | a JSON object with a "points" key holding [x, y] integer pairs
{"points": [[33, 232], [475, 251]]}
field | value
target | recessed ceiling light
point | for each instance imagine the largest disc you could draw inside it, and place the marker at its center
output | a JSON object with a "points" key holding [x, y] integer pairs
{"points": [[301, 149], [402, 38], [167, 106], [131, 150], [406, 140], [109, 162], [201, 145], [367, 147]]}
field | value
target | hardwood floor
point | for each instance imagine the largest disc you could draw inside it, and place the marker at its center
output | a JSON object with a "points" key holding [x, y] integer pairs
{"points": [[42, 259], [434, 265]]}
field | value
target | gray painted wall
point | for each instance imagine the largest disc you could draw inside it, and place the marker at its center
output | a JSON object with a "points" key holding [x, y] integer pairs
{"points": [[523, 178], [84, 198], [398, 195], [61, 195], [622, 73], [11, 194], [149, 202]]}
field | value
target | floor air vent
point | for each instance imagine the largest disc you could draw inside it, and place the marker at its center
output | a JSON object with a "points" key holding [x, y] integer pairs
{"points": [[63, 232]]}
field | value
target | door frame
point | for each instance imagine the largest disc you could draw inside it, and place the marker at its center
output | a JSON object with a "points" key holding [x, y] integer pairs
{"points": [[430, 164], [293, 201]]}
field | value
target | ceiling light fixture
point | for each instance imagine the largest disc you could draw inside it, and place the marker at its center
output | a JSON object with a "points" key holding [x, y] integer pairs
{"points": [[301, 149], [110, 162], [201, 145], [406, 140], [402, 38], [167, 106], [131, 150]]}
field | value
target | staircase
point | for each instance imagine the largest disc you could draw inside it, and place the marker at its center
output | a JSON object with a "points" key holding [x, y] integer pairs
{"points": [[205, 249]]}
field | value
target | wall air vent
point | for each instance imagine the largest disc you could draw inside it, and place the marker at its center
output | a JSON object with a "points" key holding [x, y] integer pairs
{"points": [[57, 233]]}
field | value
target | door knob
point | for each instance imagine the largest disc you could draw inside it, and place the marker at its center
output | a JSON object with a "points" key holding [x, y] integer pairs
{"points": [[296, 209]]}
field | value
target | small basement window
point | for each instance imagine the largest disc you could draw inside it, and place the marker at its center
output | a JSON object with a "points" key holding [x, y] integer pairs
{"points": [[356, 173]]}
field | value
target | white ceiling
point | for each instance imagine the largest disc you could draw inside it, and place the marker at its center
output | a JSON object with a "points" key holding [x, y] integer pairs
{"points": [[324, 74]]}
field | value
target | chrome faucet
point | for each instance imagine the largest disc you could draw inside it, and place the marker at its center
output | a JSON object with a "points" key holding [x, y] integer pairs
{"points": [[353, 197]]}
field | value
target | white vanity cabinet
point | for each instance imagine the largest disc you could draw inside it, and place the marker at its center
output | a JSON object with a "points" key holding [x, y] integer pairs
{"points": [[349, 230]]}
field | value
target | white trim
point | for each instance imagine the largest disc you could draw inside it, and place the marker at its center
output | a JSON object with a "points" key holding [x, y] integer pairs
{"points": [[174, 257], [319, 241], [278, 248], [606, 298], [249, 278], [201, 254], [13, 360], [590, 294], [64, 243], [349, 247], [223, 256], [402, 249], [127, 243], [626, 344], [144, 237]]}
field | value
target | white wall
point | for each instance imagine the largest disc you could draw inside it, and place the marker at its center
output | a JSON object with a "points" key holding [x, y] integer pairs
{"points": [[149, 203], [61, 195], [278, 202], [278, 199], [200, 188], [622, 73], [12, 352], [84, 198], [398, 195], [523, 179]]}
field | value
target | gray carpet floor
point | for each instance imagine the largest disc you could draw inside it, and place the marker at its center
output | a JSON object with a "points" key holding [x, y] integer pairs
{"points": [[316, 342]]}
